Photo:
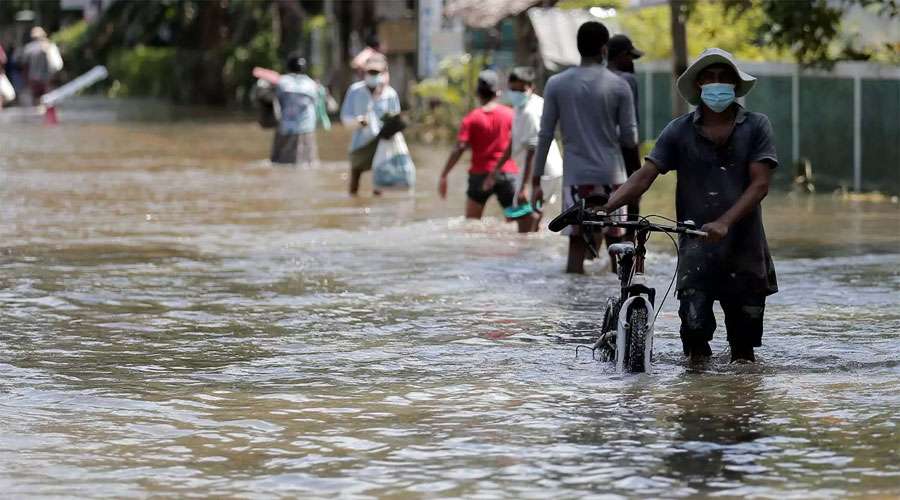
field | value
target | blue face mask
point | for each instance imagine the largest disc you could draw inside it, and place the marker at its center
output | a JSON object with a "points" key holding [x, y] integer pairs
{"points": [[516, 98], [373, 81], [717, 96]]}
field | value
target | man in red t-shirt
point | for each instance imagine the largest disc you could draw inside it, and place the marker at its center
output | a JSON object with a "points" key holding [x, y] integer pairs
{"points": [[486, 130]]}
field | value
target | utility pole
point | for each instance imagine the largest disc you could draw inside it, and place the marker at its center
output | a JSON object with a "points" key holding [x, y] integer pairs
{"points": [[678, 17]]}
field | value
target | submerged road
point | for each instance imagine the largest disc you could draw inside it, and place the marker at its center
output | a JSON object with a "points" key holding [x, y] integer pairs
{"points": [[178, 317]]}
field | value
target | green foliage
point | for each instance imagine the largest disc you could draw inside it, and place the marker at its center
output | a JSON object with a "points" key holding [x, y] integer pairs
{"points": [[805, 28], [710, 24], [186, 50], [808, 32], [261, 50], [143, 71], [811, 30], [72, 35], [442, 101]]}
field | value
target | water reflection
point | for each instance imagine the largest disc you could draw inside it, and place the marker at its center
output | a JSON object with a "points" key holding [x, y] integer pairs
{"points": [[717, 427]]}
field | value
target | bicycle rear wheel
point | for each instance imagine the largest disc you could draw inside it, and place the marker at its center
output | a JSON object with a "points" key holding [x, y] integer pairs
{"points": [[636, 337]]}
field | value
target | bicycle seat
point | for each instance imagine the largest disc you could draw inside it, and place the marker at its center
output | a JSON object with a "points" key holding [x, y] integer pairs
{"points": [[624, 248]]}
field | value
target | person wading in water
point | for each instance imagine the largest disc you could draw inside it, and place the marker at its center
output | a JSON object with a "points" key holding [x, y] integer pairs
{"points": [[724, 156]]}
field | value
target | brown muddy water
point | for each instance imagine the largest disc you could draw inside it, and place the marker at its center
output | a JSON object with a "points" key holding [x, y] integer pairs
{"points": [[179, 318]]}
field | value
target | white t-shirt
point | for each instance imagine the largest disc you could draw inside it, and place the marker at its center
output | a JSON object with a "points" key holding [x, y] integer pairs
{"points": [[525, 128]]}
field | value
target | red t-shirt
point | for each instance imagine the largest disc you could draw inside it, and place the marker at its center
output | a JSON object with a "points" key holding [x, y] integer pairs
{"points": [[487, 132]]}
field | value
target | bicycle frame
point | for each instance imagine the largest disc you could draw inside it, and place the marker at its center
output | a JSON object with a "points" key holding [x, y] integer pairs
{"points": [[634, 293]]}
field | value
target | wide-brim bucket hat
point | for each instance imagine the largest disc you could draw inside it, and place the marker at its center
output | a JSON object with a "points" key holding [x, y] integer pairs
{"points": [[708, 57]]}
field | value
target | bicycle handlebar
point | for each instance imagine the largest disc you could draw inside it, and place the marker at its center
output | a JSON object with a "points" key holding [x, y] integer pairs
{"points": [[580, 215], [644, 224]]}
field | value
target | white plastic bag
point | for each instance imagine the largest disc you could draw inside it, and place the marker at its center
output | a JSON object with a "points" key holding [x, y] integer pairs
{"points": [[392, 167], [54, 59], [7, 92]]}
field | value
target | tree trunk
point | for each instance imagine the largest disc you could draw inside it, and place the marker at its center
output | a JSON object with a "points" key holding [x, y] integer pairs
{"points": [[290, 27], [212, 23], [678, 17]]}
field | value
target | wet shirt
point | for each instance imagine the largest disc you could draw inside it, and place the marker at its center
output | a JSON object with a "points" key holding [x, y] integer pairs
{"points": [[711, 178], [360, 101], [488, 133], [297, 96]]}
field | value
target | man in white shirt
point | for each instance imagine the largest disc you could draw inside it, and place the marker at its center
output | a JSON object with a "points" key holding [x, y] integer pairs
{"points": [[524, 139], [367, 104]]}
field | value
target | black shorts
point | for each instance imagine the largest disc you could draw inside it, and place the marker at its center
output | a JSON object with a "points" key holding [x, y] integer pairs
{"points": [[504, 188], [743, 317]]}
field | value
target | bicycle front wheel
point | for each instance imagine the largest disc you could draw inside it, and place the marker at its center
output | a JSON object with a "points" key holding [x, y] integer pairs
{"points": [[637, 323]]}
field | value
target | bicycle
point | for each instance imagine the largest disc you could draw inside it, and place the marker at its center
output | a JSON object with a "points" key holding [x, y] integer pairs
{"points": [[626, 338]]}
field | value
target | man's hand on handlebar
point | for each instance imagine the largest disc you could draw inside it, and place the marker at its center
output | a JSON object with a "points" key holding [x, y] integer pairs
{"points": [[715, 231]]}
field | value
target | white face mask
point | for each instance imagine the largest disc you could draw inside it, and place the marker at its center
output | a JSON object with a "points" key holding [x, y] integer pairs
{"points": [[516, 98], [373, 81]]}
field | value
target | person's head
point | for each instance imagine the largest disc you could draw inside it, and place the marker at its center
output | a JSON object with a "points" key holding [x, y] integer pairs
{"points": [[374, 42], [521, 79], [295, 63], [520, 85], [376, 66], [488, 85], [622, 53], [592, 38], [717, 73], [714, 81], [38, 33]]}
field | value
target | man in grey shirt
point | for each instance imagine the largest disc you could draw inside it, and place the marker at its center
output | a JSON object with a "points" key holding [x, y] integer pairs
{"points": [[595, 112]]}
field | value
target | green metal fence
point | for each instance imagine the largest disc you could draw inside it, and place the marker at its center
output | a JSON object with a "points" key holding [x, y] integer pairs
{"points": [[845, 121]]}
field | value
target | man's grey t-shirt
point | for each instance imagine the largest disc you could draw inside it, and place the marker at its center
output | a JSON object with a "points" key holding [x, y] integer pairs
{"points": [[595, 112], [711, 178]]}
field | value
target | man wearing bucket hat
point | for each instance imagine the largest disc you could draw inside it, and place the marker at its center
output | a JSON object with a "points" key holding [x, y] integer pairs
{"points": [[724, 156]]}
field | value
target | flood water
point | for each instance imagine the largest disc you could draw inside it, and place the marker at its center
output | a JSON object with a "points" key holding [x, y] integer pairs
{"points": [[178, 317]]}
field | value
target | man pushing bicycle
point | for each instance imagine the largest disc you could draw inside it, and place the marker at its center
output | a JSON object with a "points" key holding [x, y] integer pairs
{"points": [[724, 156]]}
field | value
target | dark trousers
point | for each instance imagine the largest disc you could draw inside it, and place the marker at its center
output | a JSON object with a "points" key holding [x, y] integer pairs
{"points": [[743, 318]]}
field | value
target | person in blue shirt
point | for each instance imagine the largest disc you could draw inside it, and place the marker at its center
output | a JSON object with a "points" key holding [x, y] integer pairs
{"points": [[298, 97], [366, 105]]}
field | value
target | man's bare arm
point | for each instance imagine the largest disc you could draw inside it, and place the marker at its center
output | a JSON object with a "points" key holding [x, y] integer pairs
{"points": [[454, 157], [266, 74], [503, 159], [490, 180], [451, 162], [634, 187]]}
